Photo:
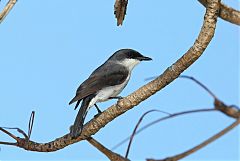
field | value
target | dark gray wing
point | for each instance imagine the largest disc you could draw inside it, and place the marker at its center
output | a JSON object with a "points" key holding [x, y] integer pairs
{"points": [[109, 74]]}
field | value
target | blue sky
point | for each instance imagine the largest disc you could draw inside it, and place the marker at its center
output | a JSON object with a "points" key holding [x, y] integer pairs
{"points": [[49, 47]]}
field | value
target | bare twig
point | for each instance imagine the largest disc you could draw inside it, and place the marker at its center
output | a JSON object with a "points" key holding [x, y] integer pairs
{"points": [[120, 9], [199, 83], [231, 111], [18, 130], [136, 127], [7, 143], [6, 9], [193, 79], [203, 144], [111, 155], [226, 13], [9, 134], [162, 119], [30, 124]]}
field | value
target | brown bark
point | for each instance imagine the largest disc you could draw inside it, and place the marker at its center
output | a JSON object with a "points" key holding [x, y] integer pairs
{"points": [[127, 103], [226, 13], [120, 9], [6, 9], [170, 74]]}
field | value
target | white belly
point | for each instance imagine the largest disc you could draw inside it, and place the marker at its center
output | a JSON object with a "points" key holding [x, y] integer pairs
{"points": [[105, 93]]}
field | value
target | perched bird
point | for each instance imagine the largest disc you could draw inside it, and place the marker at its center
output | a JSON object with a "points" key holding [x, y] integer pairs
{"points": [[105, 83]]}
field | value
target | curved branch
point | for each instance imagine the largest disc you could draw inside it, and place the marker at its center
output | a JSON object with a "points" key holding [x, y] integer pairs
{"points": [[171, 116], [200, 84], [170, 74], [203, 144], [136, 127], [226, 13]]}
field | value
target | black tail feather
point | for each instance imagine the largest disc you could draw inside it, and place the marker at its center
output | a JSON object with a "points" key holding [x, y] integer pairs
{"points": [[76, 129], [76, 104]]}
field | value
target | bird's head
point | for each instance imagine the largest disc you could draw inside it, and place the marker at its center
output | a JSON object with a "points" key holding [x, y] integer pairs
{"points": [[128, 57]]}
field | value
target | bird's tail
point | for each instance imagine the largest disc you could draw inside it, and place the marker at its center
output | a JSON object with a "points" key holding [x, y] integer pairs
{"points": [[76, 129]]}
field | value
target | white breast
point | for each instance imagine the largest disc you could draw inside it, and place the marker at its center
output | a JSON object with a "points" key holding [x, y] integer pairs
{"points": [[107, 92]]}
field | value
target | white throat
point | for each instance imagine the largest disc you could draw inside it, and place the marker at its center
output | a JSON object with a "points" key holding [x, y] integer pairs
{"points": [[129, 63]]}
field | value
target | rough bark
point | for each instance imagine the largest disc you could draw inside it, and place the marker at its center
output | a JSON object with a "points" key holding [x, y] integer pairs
{"points": [[170, 74]]}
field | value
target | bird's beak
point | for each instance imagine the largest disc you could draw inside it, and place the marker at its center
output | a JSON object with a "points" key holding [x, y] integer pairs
{"points": [[144, 58]]}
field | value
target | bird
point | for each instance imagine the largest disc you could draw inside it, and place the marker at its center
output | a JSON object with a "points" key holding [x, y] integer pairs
{"points": [[105, 83]]}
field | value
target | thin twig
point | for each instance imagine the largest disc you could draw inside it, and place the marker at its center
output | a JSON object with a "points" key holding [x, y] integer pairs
{"points": [[9, 134], [200, 84], [203, 144], [7, 9], [191, 78], [137, 125], [30, 124], [18, 130], [7, 143], [161, 119]]}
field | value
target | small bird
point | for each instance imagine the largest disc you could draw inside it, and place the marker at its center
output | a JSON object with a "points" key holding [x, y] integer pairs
{"points": [[105, 83]]}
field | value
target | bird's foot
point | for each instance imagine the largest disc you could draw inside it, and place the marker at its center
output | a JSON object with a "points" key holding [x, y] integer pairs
{"points": [[74, 133]]}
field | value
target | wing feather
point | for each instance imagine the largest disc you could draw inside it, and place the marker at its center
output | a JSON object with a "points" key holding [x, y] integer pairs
{"points": [[106, 75]]}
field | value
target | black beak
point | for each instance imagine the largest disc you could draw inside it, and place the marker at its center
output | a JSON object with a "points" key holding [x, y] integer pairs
{"points": [[144, 58]]}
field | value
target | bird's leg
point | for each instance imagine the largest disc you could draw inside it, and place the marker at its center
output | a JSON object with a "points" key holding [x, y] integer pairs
{"points": [[117, 97], [99, 111]]}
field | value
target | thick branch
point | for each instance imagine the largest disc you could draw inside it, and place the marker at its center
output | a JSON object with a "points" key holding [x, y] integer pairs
{"points": [[226, 13], [6, 9], [127, 103], [111, 155]]}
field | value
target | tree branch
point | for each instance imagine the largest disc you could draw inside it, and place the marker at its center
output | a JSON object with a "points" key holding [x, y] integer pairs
{"points": [[136, 127], [7, 143], [226, 13], [203, 144], [120, 9], [163, 119], [170, 74], [111, 155], [9, 134], [6, 9], [200, 84]]}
